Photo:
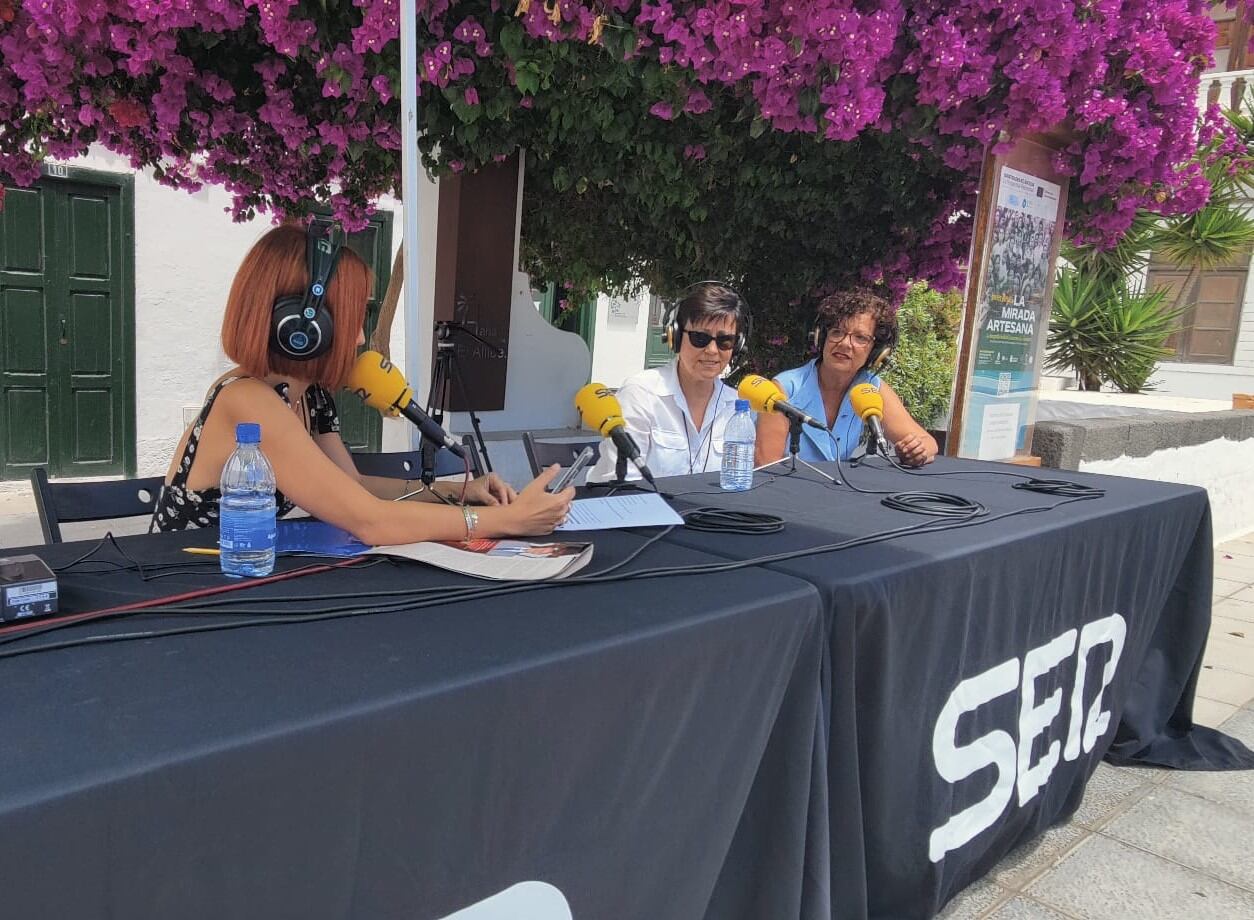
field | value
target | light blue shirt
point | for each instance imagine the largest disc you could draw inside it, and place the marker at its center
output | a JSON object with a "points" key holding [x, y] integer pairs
{"points": [[801, 388]]}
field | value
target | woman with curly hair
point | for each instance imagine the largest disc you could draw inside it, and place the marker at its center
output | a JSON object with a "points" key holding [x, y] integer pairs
{"points": [[853, 333]]}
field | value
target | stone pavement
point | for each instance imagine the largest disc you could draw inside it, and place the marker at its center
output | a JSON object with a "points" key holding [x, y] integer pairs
{"points": [[1153, 844]]}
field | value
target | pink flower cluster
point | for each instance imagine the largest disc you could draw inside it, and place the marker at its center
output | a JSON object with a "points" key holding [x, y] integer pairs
{"points": [[279, 108]]}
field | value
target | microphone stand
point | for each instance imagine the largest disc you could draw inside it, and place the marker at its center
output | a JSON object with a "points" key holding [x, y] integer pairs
{"points": [[427, 450], [620, 480], [445, 373], [794, 448]]}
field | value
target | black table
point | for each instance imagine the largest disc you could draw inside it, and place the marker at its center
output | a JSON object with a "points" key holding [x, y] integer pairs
{"points": [[784, 739], [651, 748], [935, 739]]}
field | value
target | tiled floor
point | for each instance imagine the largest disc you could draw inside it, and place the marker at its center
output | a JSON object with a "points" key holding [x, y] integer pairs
{"points": [[1153, 844]]}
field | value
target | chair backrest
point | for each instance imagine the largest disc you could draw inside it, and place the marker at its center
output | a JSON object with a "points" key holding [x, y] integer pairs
{"points": [[67, 502], [407, 464], [545, 453], [472, 451]]}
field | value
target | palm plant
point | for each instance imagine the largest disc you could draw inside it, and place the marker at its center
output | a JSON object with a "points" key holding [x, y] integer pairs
{"points": [[1128, 257], [1105, 330]]}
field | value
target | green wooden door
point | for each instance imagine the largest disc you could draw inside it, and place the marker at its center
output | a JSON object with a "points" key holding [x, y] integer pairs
{"points": [[362, 428], [581, 320], [67, 328], [656, 352]]}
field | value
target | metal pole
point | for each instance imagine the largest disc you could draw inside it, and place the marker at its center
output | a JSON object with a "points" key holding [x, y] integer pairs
{"points": [[417, 334]]}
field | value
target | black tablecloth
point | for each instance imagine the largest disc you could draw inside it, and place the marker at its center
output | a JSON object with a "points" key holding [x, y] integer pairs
{"points": [[648, 747], [929, 636], [787, 739]]}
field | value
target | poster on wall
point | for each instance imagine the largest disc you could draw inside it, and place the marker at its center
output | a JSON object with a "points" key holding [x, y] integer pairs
{"points": [[1009, 324], [624, 311]]}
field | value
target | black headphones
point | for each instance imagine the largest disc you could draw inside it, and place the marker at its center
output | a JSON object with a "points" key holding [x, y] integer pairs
{"points": [[881, 349], [301, 326], [672, 334]]}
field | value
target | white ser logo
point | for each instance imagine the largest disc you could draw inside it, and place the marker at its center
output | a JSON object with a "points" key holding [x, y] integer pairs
{"points": [[955, 763]]}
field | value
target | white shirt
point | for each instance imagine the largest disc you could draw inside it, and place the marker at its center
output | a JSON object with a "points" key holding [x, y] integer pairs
{"points": [[658, 418]]}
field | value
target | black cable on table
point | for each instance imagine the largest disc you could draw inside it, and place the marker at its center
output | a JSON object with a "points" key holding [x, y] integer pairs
{"points": [[730, 521], [1063, 487], [932, 504]]}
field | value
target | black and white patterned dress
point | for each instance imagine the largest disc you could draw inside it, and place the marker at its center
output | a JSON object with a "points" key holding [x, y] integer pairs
{"points": [[181, 508]]}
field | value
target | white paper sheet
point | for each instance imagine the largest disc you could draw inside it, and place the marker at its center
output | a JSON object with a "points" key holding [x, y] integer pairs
{"points": [[999, 431], [647, 510]]}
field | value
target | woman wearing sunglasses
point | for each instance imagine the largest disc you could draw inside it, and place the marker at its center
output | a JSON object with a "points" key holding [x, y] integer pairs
{"points": [[853, 333], [678, 412]]}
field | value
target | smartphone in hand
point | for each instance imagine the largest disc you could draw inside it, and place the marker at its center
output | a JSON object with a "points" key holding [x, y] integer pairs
{"points": [[567, 476]]}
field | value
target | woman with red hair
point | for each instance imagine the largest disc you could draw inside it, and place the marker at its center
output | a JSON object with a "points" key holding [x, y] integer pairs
{"points": [[291, 400]]}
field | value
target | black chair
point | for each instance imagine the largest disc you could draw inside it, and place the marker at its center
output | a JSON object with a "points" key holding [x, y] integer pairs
{"points": [[545, 453], [69, 502], [407, 464]]}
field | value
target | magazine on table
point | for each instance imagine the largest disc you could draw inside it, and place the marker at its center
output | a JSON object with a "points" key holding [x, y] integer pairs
{"points": [[504, 560]]}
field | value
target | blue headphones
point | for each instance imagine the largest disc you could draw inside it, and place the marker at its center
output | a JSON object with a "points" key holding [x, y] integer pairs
{"points": [[301, 327]]}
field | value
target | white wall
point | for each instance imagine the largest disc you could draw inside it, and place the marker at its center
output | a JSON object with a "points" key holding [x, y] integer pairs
{"points": [[1202, 381], [1222, 467], [618, 342]]}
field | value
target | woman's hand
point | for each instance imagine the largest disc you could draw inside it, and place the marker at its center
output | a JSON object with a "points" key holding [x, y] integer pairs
{"points": [[914, 451], [534, 511], [489, 490]]}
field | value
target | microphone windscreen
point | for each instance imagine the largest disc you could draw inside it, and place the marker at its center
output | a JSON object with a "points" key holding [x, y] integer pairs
{"points": [[866, 401], [761, 392], [599, 408], [378, 383]]}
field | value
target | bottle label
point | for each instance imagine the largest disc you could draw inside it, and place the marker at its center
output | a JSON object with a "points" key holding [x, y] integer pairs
{"points": [[247, 531]]}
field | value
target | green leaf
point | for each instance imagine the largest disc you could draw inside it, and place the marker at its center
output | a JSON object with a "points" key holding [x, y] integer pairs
{"points": [[467, 114], [527, 80], [512, 35]]}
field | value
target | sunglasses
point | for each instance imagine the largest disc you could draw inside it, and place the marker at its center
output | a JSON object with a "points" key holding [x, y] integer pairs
{"points": [[725, 342]]}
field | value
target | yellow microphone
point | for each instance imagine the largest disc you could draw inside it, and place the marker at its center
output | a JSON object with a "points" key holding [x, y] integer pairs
{"points": [[868, 404], [600, 410], [765, 396], [381, 385]]}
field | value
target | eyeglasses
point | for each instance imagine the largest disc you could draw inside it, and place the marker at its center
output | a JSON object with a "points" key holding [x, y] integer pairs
{"points": [[725, 342], [860, 339]]}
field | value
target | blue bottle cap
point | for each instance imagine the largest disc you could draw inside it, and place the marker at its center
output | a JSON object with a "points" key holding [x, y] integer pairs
{"points": [[742, 405], [248, 433]]}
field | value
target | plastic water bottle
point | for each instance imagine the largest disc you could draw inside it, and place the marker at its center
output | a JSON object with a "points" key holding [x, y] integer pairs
{"points": [[246, 512], [736, 474]]}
